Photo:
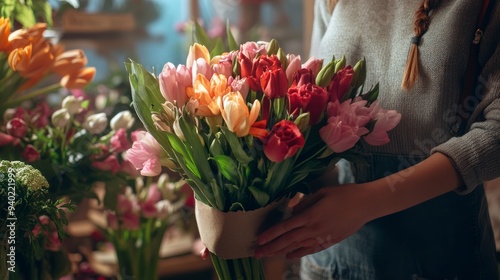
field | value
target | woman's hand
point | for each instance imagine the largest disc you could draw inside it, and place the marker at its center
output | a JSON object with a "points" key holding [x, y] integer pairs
{"points": [[320, 220], [333, 213]]}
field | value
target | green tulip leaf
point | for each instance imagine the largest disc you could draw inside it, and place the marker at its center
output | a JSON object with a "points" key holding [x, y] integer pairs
{"points": [[228, 167]]}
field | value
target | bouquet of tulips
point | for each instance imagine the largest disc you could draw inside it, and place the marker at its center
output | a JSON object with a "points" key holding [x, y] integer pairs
{"points": [[248, 126]]}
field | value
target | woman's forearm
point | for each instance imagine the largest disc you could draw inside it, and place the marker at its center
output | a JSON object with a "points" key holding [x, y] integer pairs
{"points": [[421, 182]]}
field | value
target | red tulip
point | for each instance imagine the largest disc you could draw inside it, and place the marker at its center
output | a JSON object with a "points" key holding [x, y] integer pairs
{"points": [[284, 141], [308, 98]]}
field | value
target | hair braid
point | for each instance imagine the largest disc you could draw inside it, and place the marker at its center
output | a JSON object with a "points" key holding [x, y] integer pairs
{"points": [[421, 25]]}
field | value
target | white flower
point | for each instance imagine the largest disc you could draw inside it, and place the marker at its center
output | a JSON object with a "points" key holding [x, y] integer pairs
{"points": [[124, 120], [72, 104], [60, 118], [96, 123]]}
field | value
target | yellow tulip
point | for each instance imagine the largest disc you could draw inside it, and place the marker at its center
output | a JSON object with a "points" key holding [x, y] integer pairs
{"points": [[4, 34], [235, 113], [197, 51]]}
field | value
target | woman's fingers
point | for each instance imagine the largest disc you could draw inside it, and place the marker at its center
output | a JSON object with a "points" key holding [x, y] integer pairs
{"points": [[281, 228], [284, 239]]}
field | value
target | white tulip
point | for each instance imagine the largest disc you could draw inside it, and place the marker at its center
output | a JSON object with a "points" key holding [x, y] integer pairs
{"points": [[96, 123], [124, 120]]}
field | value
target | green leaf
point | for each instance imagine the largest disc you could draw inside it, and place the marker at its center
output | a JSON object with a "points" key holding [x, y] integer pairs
{"points": [[25, 15], [236, 206], [201, 36], [234, 143], [260, 196], [218, 47], [372, 95], [233, 45], [228, 168]]}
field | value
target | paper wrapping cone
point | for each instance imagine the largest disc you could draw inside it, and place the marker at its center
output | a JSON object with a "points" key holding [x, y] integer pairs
{"points": [[232, 235]]}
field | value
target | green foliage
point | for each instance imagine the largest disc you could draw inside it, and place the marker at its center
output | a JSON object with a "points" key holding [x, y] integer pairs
{"points": [[29, 12]]}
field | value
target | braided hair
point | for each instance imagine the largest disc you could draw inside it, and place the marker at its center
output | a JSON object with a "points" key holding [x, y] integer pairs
{"points": [[420, 26]]}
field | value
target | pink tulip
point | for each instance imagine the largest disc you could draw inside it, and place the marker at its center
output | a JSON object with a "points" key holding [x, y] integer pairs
{"points": [[53, 243], [6, 139], [346, 124], [17, 127], [111, 220], [108, 164], [146, 154], [148, 206], [224, 65], [294, 64], [131, 221], [173, 83], [314, 65], [252, 49], [385, 120], [119, 141], [240, 85], [30, 154], [201, 66]]}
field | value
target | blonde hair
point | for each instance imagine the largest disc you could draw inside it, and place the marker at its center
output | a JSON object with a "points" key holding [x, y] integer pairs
{"points": [[420, 26]]}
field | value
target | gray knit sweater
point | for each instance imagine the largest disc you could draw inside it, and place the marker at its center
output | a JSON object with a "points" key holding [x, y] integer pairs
{"points": [[381, 31]]}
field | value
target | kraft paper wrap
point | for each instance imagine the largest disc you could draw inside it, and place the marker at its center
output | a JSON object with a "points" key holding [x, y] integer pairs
{"points": [[232, 235]]}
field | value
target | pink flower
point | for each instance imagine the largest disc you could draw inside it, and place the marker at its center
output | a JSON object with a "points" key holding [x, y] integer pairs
{"points": [[130, 220], [385, 121], [294, 64], [314, 65], [224, 65], [201, 66], [6, 139], [111, 220], [240, 85], [252, 49], [53, 243], [128, 168], [30, 154], [17, 127], [119, 141], [146, 154], [173, 83], [108, 164], [346, 124], [39, 116], [148, 206]]}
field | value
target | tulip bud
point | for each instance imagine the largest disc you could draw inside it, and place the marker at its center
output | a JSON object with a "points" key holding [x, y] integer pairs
{"points": [[4, 34], [73, 104], [359, 74], [178, 130], [326, 74], [124, 120], [60, 118], [272, 47], [78, 79], [339, 64], [96, 123], [282, 57], [17, 127], [302, 121], [9, 114]]}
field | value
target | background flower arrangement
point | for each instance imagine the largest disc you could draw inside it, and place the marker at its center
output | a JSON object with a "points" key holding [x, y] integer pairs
{"points": [[248, 125], [32, 223]]}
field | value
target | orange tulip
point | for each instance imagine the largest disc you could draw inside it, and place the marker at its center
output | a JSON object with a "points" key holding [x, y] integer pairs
{"points": [[79, 79], [197, 51], [22, 37], [70, 62], [30, 62], [4, 34], [19, 59], [205, 92]]}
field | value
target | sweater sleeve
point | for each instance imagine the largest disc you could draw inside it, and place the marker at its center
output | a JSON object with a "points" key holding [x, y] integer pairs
{"points": [[321, 20], [476, 154]]}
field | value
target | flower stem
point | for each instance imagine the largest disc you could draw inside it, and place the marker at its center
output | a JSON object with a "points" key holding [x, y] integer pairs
{"points": [[16, 101]]}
